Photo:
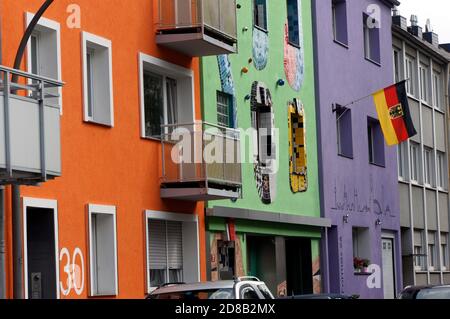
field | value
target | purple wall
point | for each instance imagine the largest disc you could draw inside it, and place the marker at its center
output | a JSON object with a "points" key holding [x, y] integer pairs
{"points": [[353, 186]]}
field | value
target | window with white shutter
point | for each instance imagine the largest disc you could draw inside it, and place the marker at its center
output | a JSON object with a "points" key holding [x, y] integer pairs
{"points": [[165, 252]]}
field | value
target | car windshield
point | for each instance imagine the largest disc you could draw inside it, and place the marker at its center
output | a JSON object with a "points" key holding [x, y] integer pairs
{"points": [[196, 294], [435, 293]]}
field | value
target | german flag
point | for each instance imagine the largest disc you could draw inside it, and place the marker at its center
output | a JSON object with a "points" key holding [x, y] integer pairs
{"points": [[394, 114]]}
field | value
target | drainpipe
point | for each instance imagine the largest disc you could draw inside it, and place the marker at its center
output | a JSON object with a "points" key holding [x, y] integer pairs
{"points": [[2, 215], [2, 245], [17, 243]]}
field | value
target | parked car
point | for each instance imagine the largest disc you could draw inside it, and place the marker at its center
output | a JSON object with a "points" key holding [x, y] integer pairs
{"points": [[425, 292], [322, 296], [240, 288]]}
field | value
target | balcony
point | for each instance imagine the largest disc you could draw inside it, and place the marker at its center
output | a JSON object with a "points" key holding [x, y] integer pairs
{"points": [[200, 162], [30, 146], [197, 28]]}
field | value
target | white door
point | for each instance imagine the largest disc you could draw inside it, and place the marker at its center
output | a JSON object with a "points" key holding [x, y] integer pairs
{"points": [[388, 268]]}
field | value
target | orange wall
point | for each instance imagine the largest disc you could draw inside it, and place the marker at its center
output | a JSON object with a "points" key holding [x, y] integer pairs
{"points": [[110, 166]]}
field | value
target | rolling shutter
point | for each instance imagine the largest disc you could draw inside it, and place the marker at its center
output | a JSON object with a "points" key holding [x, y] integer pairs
{"points": [[165, 244], [175, 245], [157, 250]]}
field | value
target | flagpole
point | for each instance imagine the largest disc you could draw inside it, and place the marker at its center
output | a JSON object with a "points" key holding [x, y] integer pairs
{"points": [[359, 100]]}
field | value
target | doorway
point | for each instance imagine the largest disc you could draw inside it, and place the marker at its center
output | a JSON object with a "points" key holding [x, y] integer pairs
{"points": [[262, 261], [388, 267], [41, 250], [299, 266]]}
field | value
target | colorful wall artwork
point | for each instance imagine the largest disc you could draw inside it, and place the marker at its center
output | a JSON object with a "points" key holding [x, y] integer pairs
{"points": [[260, 48], [293, 45], [297, 147], [264, 146]]}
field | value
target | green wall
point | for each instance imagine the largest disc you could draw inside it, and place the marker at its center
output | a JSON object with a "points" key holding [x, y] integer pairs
{"points": [[286, 201]]}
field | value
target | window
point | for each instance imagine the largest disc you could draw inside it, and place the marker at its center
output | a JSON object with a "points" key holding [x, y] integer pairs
{"points": [[224, 109], [419, 256], [44, 55], [444, 252], [371, 29], [410, 75], [437, 90], [163, 87], [429, 167], [161, 103], [397, 72], [402, 160], [344, 132], [441, 170], [339, 16], [423, 82], [361, 243], [293, 22], [172, 248], [165, 252], [432, 253], [415, 162], [98, 82], [260, 14], [375, 142], [103, 250]]}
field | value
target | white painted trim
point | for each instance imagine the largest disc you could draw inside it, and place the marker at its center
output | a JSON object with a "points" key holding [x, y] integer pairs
{"points": [[107, 210], [53, 25], [47, 204], [103, 42], [166, 69], [177, 217], [158, 215]]}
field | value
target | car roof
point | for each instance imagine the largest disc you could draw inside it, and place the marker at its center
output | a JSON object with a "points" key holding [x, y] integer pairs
{"points": [[223, 284], [416, 288]]}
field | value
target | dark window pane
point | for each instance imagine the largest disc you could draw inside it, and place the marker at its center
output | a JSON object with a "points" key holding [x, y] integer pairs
{"points": [[293, 23], [260, 12], [153, 104]]}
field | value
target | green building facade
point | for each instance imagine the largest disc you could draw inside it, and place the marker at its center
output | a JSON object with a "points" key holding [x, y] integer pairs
{"points": [[274, 230]]}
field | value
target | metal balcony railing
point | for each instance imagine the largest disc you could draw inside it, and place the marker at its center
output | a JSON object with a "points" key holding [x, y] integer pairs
{"points": [[201, 153], [30, 146], [215, 16]]}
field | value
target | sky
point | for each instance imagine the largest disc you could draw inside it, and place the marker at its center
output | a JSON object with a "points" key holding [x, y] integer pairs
{"points": [[438, 11]]}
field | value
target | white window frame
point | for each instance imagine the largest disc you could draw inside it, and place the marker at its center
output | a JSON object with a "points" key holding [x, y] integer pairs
{"points": [[415, 163], [410, 76], [107, 44], [107, 210], [424, 83], [165, 216], [165, 69], [397, 65], [437, 90], [423, 261], [428, 179], [432, 253], [441, 162], [56, 27], [444, 251], [402, 159], [46, 204]]}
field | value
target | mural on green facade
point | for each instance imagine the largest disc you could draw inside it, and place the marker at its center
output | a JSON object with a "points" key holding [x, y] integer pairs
{"points": [[293, 45], [297, 147], [264, 150]]}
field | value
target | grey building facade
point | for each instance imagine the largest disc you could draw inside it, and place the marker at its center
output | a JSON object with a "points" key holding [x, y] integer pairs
{"points": [[423, 160]]}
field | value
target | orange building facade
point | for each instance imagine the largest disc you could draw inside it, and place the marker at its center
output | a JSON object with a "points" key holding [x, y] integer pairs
{"points": [[89, 232]]}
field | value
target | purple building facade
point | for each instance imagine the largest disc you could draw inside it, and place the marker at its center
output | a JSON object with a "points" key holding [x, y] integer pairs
{"points": [[359, 185]]}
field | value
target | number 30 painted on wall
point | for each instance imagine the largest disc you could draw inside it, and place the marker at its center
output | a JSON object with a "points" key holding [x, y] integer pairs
{"points": [[75, 273]]}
